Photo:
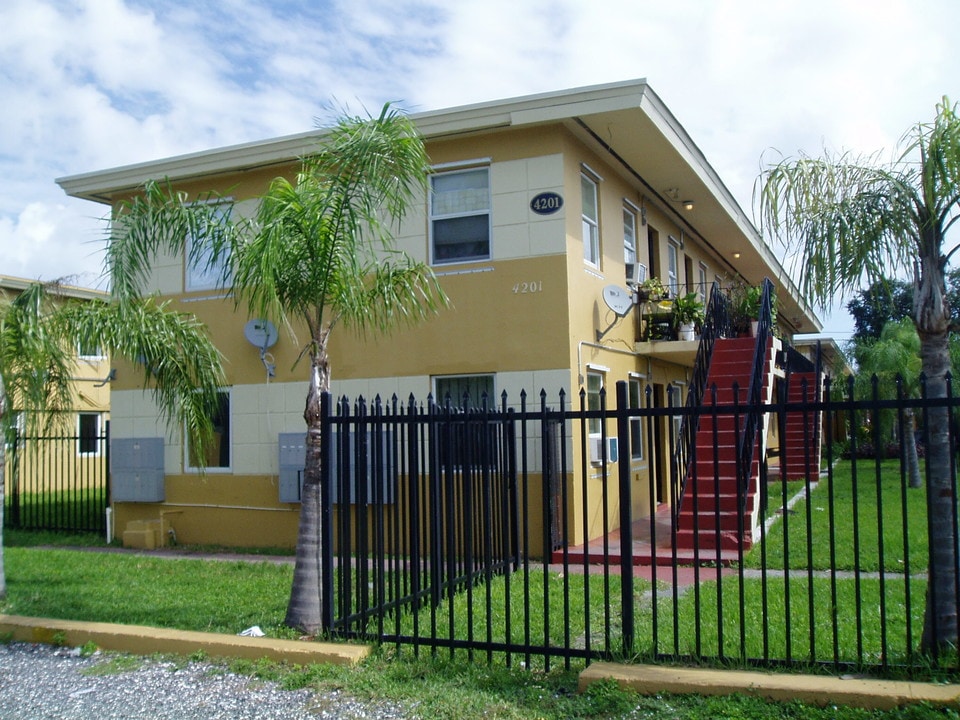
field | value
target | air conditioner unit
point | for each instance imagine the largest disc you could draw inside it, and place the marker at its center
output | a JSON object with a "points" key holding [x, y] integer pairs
{"points": [[595, 442], [636, 273]]}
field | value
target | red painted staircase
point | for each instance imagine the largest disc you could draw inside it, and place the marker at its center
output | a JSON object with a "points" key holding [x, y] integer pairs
{"points": [[709, 518], [800, 444]]}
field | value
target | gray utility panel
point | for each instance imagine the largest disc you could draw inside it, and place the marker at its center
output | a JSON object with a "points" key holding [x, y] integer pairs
{"points": [[292, 457], [136, 470]]}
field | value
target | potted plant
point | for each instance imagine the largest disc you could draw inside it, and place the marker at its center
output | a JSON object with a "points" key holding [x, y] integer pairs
{"points": [[745, 309], [651, 290], [688, 312]]}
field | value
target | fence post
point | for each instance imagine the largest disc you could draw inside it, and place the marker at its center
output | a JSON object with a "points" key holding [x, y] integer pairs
{"points": [[626, 518]]}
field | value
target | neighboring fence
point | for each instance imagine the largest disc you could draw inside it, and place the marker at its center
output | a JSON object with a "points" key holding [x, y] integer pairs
{"points": [[57, 482], [452, 515]]}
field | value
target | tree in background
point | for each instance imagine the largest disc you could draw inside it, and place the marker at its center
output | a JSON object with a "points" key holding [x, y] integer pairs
{"points": [[892, 361], [318, 254], [886, 300], [855, 221]]}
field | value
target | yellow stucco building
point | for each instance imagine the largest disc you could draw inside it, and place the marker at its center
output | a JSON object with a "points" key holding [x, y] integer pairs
{"points": [[537, 206], [69, 459]]}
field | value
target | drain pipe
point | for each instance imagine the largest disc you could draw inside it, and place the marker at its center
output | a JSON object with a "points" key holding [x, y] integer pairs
{"points": [[598, 346], [109, 523]]}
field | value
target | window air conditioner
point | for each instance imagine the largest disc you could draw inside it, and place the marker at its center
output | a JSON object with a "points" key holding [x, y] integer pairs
{"points": [[595, 441], [636, 273]]}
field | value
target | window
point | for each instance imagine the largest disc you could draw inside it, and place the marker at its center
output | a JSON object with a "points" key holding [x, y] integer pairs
{"points": [[594, 386], [88, 434], [202, 273], [673, 267], [702, 282], [465, 391], [460, 215], [630, 241], [86, 348], [635, 399], [591, 220], [218, 453]]}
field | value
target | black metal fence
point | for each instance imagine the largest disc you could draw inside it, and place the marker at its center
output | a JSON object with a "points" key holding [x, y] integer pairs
{"points": [[57, 482], [511, 530]]}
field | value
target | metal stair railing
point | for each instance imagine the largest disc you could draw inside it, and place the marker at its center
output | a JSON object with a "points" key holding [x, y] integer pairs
{"points": [[753, 420], [716, 323]]}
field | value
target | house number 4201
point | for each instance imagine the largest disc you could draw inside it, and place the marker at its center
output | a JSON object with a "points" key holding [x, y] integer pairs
{"points": [[525, 288]]}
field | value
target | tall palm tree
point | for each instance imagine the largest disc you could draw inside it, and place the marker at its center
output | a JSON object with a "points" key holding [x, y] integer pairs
{"points": [[854, 222], [39, 331], [320, 252]]}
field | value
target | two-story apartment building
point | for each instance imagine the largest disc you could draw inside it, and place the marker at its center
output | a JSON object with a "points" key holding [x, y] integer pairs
{"points": [[543, 213]]}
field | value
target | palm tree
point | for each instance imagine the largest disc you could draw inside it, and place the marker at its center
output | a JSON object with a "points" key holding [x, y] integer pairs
{"points": [[319, 253], [39, 328], [854, 222]]}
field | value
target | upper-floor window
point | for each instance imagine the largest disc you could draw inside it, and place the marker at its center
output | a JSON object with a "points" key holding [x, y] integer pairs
{"points": [[202, 272], [590, 220], [460, 215], [673, 266], [703, 290], [629, 236], [89, 349]]}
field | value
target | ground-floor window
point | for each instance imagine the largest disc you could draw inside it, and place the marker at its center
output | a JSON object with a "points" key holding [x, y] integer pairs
{"points": [[465, 391], [88, 433], [635, 398], [218, 453]]}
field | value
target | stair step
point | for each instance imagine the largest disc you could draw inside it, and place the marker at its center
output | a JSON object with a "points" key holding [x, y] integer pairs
{"points": [[728, 540]]}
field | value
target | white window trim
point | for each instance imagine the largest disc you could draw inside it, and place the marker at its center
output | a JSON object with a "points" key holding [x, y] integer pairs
{"points": [[628, 209], [98, 433], [190, 469], [594, 247], [635, 456], [191, 284], [450, 169]]}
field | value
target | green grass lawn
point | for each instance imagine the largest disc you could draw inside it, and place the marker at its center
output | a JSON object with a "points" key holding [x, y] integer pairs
{"points": [[853, 531]]}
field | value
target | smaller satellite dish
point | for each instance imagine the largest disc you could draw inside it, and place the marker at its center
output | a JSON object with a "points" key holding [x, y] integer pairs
{"points": [[617, 299], [260, 333]]}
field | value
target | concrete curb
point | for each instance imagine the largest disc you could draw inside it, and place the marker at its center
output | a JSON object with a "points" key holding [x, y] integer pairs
{"points": [[813, 689], [143, 640]]}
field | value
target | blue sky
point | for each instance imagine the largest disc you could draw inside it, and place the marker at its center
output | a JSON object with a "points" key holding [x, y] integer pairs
{"points": [[94, 84]]}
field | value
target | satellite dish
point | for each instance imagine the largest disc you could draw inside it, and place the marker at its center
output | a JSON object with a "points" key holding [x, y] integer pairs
{"points": [[260, 333], [617, 299]]}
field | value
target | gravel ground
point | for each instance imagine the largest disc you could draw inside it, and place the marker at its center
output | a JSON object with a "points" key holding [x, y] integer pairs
{"points": [[52, 683]]}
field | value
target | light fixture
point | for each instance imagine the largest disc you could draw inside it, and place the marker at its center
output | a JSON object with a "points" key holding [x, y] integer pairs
{"points": [[688, 204], [736, 256]]}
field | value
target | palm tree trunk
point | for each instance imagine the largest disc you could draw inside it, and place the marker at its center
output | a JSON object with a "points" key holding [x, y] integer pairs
{"points": [[910, 445], [303, 610], [940, 617]]}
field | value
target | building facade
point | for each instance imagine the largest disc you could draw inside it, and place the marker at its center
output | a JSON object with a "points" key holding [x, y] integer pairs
{"points": [[543, 215]]}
